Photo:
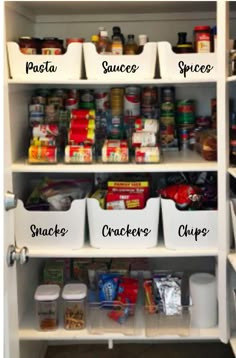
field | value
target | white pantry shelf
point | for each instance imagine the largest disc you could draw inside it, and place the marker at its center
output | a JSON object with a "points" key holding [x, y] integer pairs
{"points": [[28, 332], [171, 162], [85, 82], [88, 251]]}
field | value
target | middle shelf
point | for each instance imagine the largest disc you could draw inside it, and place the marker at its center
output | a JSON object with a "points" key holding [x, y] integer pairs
{"points": [[172, 162]]}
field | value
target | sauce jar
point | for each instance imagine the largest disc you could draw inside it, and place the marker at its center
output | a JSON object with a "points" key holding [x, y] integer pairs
{"points": [[74, 39], [74, 296], [51, 46], [46, 297], [202, 39], [28, 45]]}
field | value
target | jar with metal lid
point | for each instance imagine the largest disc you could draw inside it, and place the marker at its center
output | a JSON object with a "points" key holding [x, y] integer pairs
{"points": [[74, 296], [46, 297], [202, 39], [28, 45], [51, 46]]}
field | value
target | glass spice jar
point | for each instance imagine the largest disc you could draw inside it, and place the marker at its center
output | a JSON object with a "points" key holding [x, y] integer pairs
{"points": [[202, 39]]}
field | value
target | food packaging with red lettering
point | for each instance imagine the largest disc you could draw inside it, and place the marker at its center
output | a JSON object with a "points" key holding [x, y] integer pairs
{"points": [[119, 201]]}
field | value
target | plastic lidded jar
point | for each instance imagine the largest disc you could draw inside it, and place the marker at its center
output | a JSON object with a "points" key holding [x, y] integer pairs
{"points": [[46, 297], [51, 46], [74, 296], [28, 45], [202, 39]]}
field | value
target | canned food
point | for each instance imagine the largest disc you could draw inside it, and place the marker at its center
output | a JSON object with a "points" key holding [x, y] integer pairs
{"points": [[168, 94], [76, 136], [144, 139], [71, 103], [87, 100], [82, 124], [132, 102], [78, 114], [115, 151], [78, 154], [51, 113], [168, 132], [117, 101], [102, 100], [45, 130], [147, 155], [56, 101], [38, 100], [146, 125], [42, 154], [36, 113], [149, 96]]}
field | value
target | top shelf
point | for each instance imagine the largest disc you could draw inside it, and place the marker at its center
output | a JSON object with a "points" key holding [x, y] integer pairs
{"points": [[84, 7], [85, 82]]}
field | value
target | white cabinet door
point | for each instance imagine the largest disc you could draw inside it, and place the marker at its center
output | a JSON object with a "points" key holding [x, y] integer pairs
{"points": [[11, 340]]}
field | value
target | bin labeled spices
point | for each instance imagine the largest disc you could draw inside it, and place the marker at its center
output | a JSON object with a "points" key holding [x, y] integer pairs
{"points": [[74, 296]]}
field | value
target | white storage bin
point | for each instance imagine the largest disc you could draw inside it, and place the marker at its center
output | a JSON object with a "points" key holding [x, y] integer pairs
{"points": [[188, 229], [202, 66], [108, 228], [59, 67], [134, 67], [233, 215], [52, 230]]}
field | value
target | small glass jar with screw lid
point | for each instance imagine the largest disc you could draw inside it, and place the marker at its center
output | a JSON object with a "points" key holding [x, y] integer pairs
{"points": [[74, 296]]}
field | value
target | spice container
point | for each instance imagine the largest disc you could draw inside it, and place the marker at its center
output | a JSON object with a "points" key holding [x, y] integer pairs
{"points": [[202, 39], [46, 297], [74, 296]]}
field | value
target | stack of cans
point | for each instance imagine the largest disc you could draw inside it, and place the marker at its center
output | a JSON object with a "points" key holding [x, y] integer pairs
{"points": [[81, 136], [169, 139], [185, 121]]}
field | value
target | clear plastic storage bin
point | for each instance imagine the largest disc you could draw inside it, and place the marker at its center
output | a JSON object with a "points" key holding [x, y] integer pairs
{"points": [[74, 296], [46, 297]]}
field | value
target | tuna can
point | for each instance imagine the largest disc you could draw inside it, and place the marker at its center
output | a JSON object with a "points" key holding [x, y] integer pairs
{"points": [[102, 100], [87, 100], [132, 102]]}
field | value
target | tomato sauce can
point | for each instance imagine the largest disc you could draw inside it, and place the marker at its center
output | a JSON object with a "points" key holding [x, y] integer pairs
{"points": [[71, 103], [82, 124], [76, 136], [132, 102], [45, 130], [102, 100], [42, 154]]}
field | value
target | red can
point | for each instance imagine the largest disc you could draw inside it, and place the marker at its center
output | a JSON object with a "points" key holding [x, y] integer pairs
{"points": [[102, 100], [76, 136], [82, 124], [83, 114], [45, 130], [71, 103]]}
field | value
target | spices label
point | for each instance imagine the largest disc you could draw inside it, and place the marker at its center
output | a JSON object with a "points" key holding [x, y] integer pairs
{"points": [[184, 69]]}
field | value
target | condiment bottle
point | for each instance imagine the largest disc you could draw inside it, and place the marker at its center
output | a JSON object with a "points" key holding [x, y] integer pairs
{"points": [[74, 297], [182, 45], [94, 40], [46, 297], [131, 46], [117, 46], [142, 39], [117, 32], [104, 44]]}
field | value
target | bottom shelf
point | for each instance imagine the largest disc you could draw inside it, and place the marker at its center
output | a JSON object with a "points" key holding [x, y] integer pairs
{"points": [[28, 332]]}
